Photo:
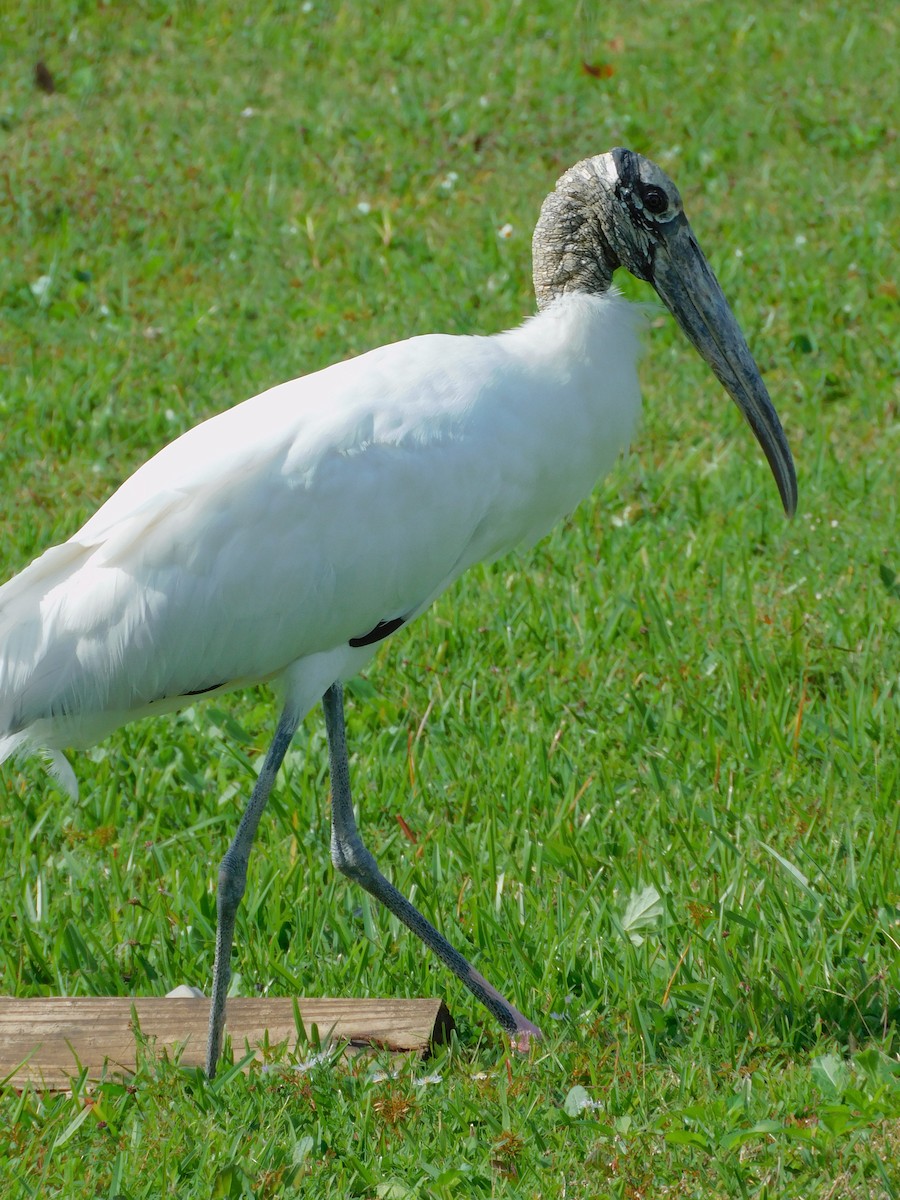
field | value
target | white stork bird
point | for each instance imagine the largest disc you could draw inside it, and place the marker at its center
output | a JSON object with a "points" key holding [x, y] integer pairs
{"points": [[282, 540]]}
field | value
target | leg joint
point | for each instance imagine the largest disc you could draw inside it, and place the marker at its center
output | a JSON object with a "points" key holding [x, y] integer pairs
{"points": [[232, 879], [352, 859]]}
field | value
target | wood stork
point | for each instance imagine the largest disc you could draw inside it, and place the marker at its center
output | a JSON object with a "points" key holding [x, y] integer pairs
{"points": [[282, 540]]}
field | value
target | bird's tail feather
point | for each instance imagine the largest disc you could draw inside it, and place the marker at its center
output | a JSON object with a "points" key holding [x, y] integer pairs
{"points": [[18, 744], [20, 661], [61, 770]]}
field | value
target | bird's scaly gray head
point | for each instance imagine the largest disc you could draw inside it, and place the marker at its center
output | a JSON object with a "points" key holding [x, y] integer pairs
{"points": [[620, 209], [605, 212]]}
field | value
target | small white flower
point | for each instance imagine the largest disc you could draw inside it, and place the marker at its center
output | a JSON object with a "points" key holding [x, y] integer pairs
{"points": [[248, 112], [314, 1060], [427, 1080], [307, 7], [382, 1076], [505, 231], [448, 181], [800, 240], [103, 310], [41, 286], [364, 207], [738, 253], [483, 101], [834, 524]]}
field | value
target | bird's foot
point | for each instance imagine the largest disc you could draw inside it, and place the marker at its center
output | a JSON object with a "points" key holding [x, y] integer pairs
{"points": [[521, 1031], [524, 1035]]}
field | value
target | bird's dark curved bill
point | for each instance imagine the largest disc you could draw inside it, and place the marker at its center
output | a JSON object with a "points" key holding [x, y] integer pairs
{"points": [[688, 287]]}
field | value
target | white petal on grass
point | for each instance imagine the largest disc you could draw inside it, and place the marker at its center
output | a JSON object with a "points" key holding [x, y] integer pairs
{"points": [[395, 1189], [306, 1064], [796, 874], [830, 1075], [314, 1060], [624, 519], [41, 286], [364, 207], [642, 912], [303, 1147], [577, 1101], [505, 231]]}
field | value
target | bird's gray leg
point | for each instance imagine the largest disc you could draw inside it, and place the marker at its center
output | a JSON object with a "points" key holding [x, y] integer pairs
{"points": [[233, 879], [352, 858]]}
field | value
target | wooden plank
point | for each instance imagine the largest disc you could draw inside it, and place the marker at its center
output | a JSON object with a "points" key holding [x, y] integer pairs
{"points": [[47, 1040]]}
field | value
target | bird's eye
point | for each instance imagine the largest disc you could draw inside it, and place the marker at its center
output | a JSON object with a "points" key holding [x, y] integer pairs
{"points": [[655, 200]]}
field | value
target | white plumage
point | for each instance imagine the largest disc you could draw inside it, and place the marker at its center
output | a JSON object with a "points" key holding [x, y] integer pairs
{"points": [[283, 539], [258, 543]]}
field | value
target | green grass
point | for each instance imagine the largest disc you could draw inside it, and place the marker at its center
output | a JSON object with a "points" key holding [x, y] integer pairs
{"points": [[651, 766]]}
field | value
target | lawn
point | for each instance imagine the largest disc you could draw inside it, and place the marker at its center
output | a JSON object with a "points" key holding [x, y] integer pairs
{"points": [[646, 773]]}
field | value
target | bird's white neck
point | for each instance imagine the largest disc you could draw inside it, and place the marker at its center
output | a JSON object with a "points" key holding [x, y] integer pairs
{"points": [[570, 406]]}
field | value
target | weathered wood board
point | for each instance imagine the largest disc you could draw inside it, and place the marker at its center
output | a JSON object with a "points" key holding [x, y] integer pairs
{"points": [[48, 1040]]}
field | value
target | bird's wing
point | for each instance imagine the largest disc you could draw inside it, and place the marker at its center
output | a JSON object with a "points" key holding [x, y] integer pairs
{"points": [[276, 530], [291, 526]]}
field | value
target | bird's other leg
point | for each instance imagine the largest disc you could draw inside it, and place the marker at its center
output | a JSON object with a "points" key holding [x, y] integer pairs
{"points": [[233, 879], [352, 858]]}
